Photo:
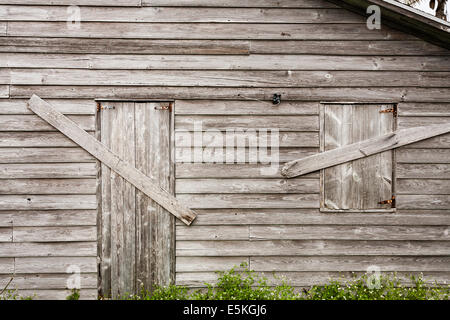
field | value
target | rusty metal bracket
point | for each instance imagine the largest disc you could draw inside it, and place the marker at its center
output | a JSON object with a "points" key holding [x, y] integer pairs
{"points": [[390, 110], [390, 201], [168, 107], [100, 107]]}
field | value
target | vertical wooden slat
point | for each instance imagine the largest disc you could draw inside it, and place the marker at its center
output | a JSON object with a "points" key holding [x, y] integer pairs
{"points": [[105, 254], [386, 158]]}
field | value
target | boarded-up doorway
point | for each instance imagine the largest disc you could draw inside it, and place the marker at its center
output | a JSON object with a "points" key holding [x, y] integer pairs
{"points": [[136, 236]]}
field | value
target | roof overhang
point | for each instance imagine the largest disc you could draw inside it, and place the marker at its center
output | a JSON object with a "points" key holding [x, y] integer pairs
{"points": [[405, 18]]}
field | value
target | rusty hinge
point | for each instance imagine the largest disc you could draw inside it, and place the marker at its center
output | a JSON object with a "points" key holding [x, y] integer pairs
{"points": [[390, 110], [390, 201], [167, 107], [100, 107]]}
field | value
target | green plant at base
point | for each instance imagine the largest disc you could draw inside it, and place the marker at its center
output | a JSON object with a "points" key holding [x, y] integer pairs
{"points": [[75, 295]]}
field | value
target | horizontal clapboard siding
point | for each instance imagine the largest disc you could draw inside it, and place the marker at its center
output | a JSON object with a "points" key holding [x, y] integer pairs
{"points": [[221, 61]]}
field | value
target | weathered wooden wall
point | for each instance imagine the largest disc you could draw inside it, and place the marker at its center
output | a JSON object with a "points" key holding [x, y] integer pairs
{"points": [[218, 59]]}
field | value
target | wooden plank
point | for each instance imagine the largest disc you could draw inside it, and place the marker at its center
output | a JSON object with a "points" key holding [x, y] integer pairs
{"points": [[246, 186], [47, 170], [68, 107], [306, 94], [172, 61], [354, 47], [439, 142], [363, 149], [202, 264], [6, 219], [188, 31], [6, 234], [228, 78], [34, 139], [124, 46], [94, 147], [48, 281], [406, 201], [285, 216], [206, 201], [409, 122], [234, 170], [348, 233], [218, 139], [182, 15], [240, 3], [44, 155], [4, 91], [423, 186], [282, 123], [54, 218], [47, 202], [45, 249], [423, 171], [6, 265], [44, 265], [423, 109], [58, 294], [423, 155], [213, 233], [311, 247], [119, 3], [48, 186], [355, 263], [244, 107], [34, 123], [3, 28], [55, 234], [223, 155]]}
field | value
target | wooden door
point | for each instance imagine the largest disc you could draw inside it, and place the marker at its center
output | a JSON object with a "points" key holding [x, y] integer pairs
{"points": [[136, 236], [358, 185]]}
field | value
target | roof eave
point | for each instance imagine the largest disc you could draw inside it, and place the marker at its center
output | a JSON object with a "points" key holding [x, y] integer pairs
{"points": [[404, 18]]}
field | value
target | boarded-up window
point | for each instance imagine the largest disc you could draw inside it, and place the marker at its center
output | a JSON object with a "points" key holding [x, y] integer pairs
{"points": [[359, 185]]}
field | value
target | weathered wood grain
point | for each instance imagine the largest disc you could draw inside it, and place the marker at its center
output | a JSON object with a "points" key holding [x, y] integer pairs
{"points": [[68, 107], [300, 216], [281, 123], [292, 62], [47, 170], [241, 107], [48, 281], [6, 265], [202, 264], [58, 249], [181, 14], [423, 109], [78, 135], [219, 138], [348, 233], [44, 155], [59, 294], [6, 234], [4, 91], [125, 46], [419, 121], [423, 170], [423, 186], [205, 201], [405, 201], [311, 247], [231, 170], [365, 148], [6, 219], [246, 186], [423, 155], [266, 94], [48, 186], [34, 123], [54, 264], [209, 31], [356, 263], [213, 233], [342, 47], [240, 3], [54, 234], [47, 202], [123, 3], [35, 139], [53, 218], [213, 78]]}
